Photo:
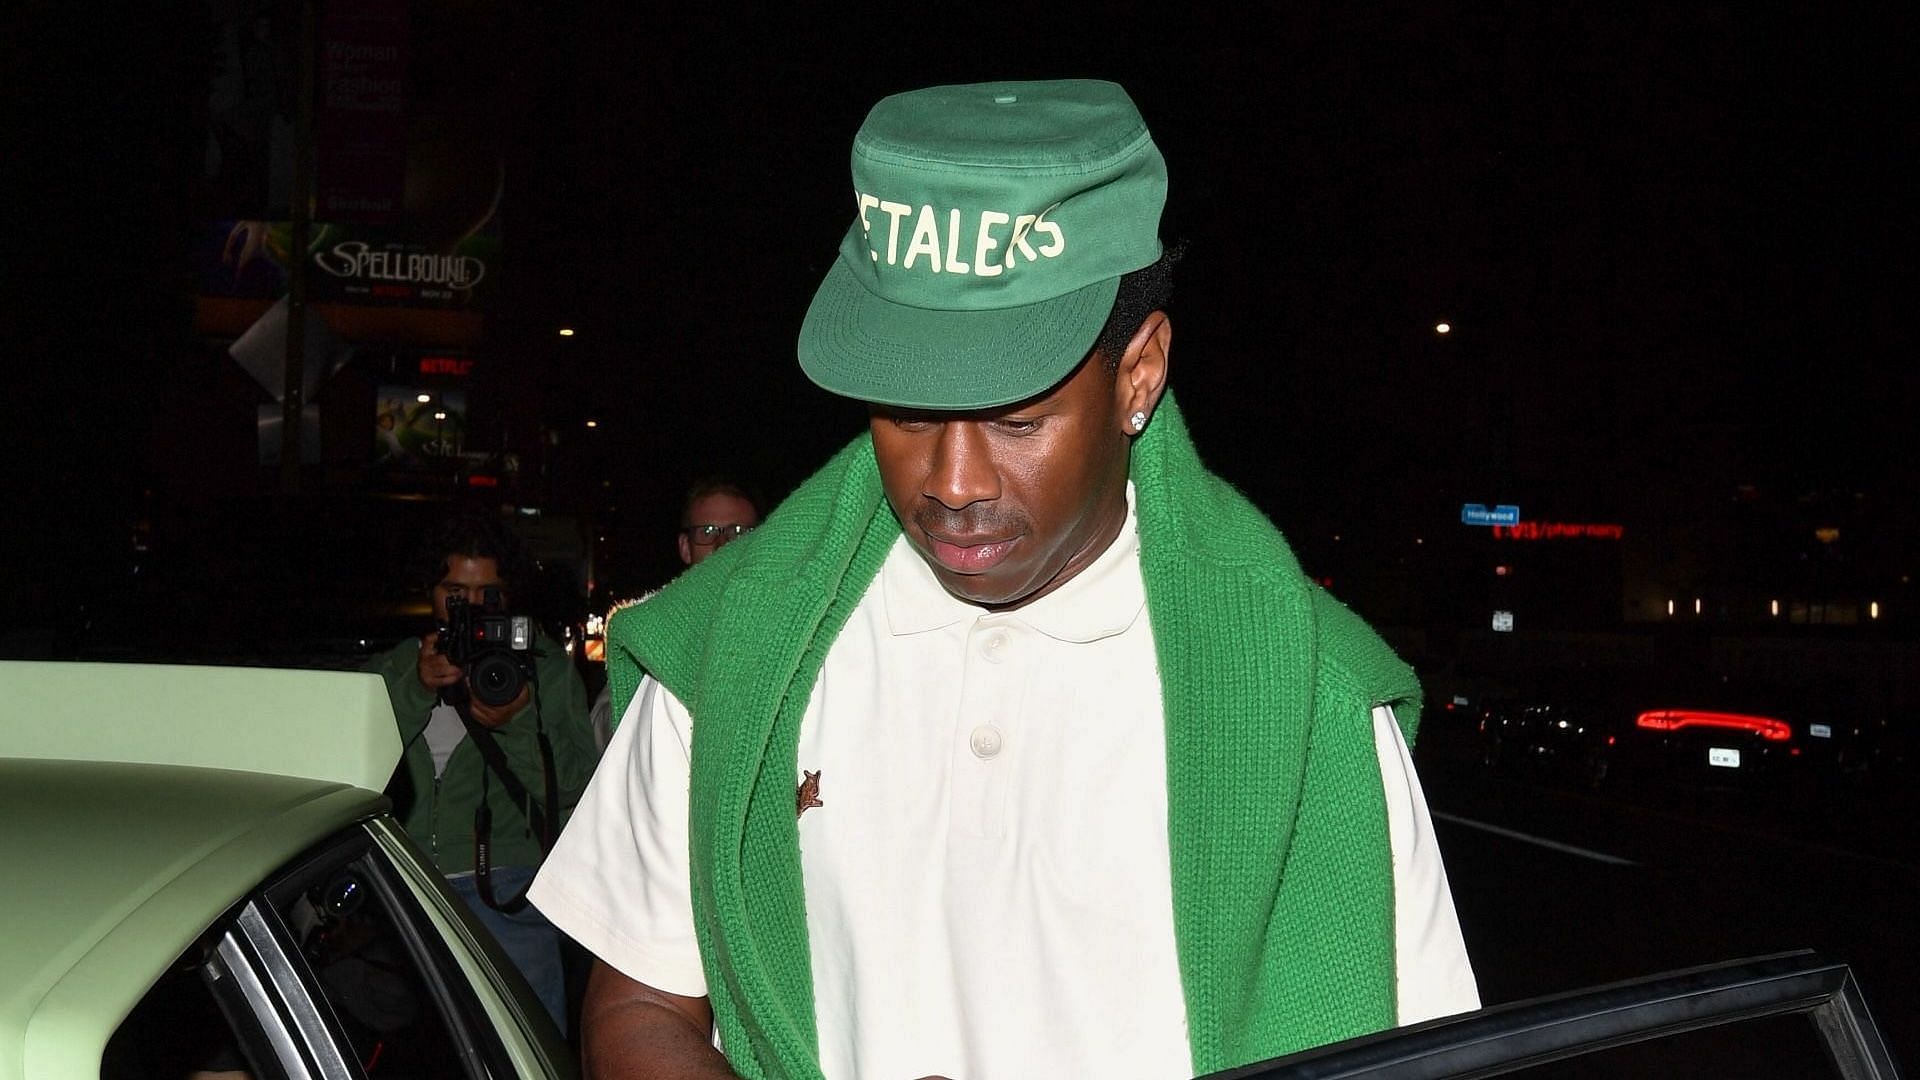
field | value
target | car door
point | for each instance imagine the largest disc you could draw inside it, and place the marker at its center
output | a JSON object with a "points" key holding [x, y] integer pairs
{"points": [[353, 962], [1788, 1015]]}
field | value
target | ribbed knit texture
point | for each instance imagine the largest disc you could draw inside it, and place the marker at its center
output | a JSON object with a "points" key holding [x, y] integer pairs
{"points": [[1282, 870]]}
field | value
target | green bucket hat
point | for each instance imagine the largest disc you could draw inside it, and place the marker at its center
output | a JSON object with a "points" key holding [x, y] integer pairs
{"points": [[993, 223]]}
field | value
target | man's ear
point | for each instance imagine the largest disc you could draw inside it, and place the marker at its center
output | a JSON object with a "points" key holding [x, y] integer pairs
{"points": [[1141, 376], [686, 549]]}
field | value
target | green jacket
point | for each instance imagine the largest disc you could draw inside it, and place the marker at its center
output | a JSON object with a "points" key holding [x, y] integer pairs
{"points": [[439, 814], [1282, 869]]}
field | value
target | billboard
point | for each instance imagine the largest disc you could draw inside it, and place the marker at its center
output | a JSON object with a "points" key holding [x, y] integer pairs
{"points": [[348, 264], [360, 111], [253, 94], [409, 151], [409, 433]]}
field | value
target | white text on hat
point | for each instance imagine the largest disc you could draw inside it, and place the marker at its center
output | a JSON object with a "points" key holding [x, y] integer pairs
{"points": [[925, 239]]}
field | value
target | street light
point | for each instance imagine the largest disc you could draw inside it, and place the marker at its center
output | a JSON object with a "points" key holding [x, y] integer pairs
{"points": [[566, 331], [593, 423], [1443, 328], [423, 398]]}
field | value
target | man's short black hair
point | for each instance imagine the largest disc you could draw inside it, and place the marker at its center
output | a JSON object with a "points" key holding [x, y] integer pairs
{"points": [[716, 485], [474, 536], [1142, 292]]}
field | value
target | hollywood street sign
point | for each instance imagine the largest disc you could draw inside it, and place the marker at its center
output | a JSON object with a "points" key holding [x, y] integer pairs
{"points": [[1477, 514]]}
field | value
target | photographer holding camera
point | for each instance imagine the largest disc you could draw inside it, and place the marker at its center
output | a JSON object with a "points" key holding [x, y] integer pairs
{"points": [[494, 719]]}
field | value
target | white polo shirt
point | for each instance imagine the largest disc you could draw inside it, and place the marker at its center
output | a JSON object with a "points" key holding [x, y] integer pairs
{"points": [[987, 878]]}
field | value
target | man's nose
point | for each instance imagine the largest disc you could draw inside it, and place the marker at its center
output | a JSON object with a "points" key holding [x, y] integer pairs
{"points": [[962, 472]]}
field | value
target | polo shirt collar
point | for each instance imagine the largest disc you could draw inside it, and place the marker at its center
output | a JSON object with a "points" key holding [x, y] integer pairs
{"points": [[1099, 602]]}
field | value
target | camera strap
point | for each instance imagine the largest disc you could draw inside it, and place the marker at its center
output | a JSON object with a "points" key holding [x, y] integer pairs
{"points": [[540, 818], [496, 760]]}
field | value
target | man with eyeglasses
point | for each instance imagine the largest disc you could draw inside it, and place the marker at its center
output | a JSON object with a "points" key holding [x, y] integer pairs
{"points": [[716, 512]]}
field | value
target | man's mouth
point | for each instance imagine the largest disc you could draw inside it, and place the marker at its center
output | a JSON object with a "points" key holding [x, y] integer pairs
{"points": [[969, 555]]}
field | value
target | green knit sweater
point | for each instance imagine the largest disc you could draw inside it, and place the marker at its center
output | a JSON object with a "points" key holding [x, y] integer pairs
{"points": [[1282, 871]]}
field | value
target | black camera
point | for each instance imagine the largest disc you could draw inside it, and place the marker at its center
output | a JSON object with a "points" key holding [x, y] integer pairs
{"points": [[493, 646]]}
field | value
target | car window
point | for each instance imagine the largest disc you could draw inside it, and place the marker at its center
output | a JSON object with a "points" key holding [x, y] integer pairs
{"points": [[332, 962], [379, 996], [381, 978], [507, 1005]]}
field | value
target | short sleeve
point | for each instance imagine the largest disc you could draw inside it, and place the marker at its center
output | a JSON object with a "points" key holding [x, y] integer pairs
{"points": [[1434, 975], [617, 880]]}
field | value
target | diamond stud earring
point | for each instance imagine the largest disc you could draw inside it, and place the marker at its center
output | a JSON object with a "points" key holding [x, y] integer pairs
{"points": [[1138, 420]]}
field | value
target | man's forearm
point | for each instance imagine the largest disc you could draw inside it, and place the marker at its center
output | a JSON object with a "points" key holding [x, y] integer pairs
{"points": [[412, 701], [632, 1035]]}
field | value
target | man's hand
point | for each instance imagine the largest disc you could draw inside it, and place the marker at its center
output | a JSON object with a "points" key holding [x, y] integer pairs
{"points": [[435, 670], [489, 716], [437, 673]]}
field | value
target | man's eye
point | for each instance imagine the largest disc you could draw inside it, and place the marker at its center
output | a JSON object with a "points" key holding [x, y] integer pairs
{"points": [[1017, 427], [911, 423]]}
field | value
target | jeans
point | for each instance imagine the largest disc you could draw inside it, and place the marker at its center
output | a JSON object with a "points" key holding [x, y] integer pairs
{"points": [[526, 936]]}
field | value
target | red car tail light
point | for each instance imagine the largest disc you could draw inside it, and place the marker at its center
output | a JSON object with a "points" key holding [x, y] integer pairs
{"points": [[1674, 719]]}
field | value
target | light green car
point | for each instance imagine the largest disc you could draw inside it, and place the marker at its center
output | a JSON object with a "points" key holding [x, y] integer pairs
{"points": [[199, 876]]}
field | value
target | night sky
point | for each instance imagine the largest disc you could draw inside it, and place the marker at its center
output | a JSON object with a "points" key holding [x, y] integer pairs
{"points": [[1661, 234], [1675, 242]]}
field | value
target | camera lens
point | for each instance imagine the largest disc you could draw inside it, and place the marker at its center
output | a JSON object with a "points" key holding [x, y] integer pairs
{"points": [[495, 678]]}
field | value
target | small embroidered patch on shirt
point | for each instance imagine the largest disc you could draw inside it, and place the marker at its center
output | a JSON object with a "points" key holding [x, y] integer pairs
{"points": [[809, 794]]}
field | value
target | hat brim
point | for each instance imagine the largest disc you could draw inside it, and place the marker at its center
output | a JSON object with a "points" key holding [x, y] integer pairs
{"points": [[856, 344]]}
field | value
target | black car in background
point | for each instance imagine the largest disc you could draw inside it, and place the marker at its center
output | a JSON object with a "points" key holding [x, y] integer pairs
{"points": [[1601, 729]]}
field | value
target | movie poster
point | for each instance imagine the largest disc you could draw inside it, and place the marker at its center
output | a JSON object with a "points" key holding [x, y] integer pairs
{"points": [[349, 264], [409, 155], [411, 433]]}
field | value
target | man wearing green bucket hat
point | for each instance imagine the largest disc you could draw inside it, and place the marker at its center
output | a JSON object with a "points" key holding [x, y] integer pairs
{"points": [[1024, 747]]}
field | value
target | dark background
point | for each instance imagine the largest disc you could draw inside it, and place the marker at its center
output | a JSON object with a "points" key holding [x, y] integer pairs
{"points": [[1674, 242]]}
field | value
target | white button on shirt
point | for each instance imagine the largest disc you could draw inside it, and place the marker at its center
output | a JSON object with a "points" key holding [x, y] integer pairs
{"points": [[987, 876], [986, 741]]}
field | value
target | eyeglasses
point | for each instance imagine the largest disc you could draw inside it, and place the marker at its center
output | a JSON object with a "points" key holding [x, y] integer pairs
{"points": [[715, 534]]}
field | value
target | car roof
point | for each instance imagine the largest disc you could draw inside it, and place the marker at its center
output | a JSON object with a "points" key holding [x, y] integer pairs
{"points": [[141, 802]]}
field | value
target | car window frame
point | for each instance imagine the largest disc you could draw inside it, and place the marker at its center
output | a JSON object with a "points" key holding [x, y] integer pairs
{"points": [[252, 973], [511, 1005], [298, 987]]}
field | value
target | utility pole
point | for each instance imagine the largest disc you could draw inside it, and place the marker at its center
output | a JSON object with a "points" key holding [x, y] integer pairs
{"points": [[293, 395]]}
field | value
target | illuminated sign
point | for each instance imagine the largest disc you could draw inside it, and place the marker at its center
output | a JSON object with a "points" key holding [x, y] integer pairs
{"points": [[445, 365], [1503, 622], [1476, 514], [1557, 530], [392, 264]]}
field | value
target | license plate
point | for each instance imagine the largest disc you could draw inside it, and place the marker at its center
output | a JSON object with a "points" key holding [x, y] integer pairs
{"points": [[1723, 757]]}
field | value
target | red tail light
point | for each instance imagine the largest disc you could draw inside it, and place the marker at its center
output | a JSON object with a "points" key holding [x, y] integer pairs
{"points": [[1674, 719]]}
